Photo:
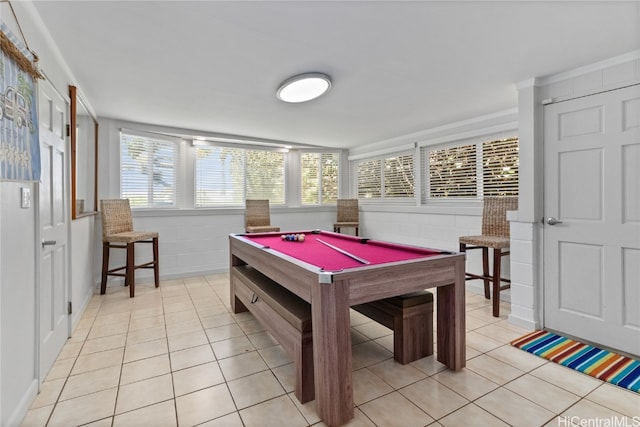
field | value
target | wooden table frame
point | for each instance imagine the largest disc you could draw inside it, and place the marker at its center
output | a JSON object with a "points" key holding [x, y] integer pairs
{"points": [[332, 293]]}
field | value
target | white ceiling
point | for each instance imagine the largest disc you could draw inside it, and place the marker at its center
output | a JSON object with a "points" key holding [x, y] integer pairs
{"points": [[397, 67]]}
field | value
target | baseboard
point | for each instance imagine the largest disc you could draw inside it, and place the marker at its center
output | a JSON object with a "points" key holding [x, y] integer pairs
{"points": [[524, 323], [149, 278], [79, 311], [20, 411]]}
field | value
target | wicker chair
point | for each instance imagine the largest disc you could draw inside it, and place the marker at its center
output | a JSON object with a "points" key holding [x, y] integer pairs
{"points": [[117, 232], [347, 215], [257, 218], [495, 235]]}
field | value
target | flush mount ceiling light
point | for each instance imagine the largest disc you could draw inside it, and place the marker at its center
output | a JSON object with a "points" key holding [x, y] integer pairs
{"points": [[304, 87]]}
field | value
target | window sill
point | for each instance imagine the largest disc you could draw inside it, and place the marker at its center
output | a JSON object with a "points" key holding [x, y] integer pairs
{"points": [[468, 209], [149, 212]]}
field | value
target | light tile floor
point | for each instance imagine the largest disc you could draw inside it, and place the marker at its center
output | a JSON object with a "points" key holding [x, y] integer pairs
{"points": [[177, 356]]}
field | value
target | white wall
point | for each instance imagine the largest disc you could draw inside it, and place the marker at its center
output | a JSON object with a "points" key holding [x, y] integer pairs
{"points": [[18, 374], [83, 267], [421, 227]]}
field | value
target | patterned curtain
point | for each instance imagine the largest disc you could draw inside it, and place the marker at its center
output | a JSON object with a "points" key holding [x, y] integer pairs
{"points": [[19, 139]]}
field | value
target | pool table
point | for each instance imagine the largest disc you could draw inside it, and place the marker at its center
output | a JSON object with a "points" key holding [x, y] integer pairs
{"points": [[334, 271]]}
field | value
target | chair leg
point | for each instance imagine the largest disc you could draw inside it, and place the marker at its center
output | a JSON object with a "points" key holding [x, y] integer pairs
{"points": [[463, 249], [130, 269], [105, 267], [156, 267], [497, 264], [485, 271]]}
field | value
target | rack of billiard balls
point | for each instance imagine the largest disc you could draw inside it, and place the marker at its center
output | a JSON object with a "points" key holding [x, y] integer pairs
{"points": [[292, 237]]}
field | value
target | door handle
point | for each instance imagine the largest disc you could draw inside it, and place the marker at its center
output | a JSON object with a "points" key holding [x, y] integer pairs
{"points": [[48, 243], [552, 221]]}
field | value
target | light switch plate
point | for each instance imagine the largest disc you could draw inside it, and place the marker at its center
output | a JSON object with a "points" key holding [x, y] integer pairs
{"points": [[25, 197]]}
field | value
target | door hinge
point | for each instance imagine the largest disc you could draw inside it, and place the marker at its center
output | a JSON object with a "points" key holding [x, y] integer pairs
{"points": [[68, 130], [70, 309]]}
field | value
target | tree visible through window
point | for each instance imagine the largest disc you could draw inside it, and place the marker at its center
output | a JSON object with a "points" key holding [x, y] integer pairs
{"points": [[264, 176], [489, 168], [226, 176], [369, 179], [500, 164], [390, 177], [398, 176], [319, 178], [452, 172]]}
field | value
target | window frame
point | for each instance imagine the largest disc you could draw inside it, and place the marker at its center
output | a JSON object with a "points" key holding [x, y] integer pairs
{"points": [[285, 175], [175, 142], [478, 141], [321, 189], [244, 149], [384, 198], [194, 201]]}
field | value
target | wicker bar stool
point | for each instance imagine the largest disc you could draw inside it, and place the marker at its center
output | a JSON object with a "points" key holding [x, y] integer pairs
{"points": [[257, 217], [495, 235], [347, 215], [117, 233]]}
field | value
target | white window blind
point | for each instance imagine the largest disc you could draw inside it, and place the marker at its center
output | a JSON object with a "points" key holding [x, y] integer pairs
{"points": [[452, 172], [319, 178], [226, 176], [265, 175], [500, 162], [219, 176], [386, 178], [148, 170], [487, 168], [369, 179], [398, 176]]}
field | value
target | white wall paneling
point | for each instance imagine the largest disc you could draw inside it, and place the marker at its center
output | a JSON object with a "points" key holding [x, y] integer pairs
{"points": [[19, 383]]}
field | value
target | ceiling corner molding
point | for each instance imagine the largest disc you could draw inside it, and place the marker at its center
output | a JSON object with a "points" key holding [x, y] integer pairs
{"points": [[596, 66]]}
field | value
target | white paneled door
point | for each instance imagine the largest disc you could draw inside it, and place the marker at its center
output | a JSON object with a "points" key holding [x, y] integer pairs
{"points": [[592, 218], [54, 226]]}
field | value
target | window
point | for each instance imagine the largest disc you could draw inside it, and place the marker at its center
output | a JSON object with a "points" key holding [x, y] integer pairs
{"points": [[500, 163], [471, 170], [148, 171], [389, 177], [264, 175], [369, 179], [398, 176], [319, 178], [219, 176], [452, 172], [226, 176]]}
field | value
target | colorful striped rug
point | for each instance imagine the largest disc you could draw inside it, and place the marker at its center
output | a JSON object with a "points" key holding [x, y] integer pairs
{"points": [[602, 364]]}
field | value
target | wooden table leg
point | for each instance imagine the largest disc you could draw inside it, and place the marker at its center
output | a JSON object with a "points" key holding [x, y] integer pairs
{"points": [[332, 352], [451, 322]]}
